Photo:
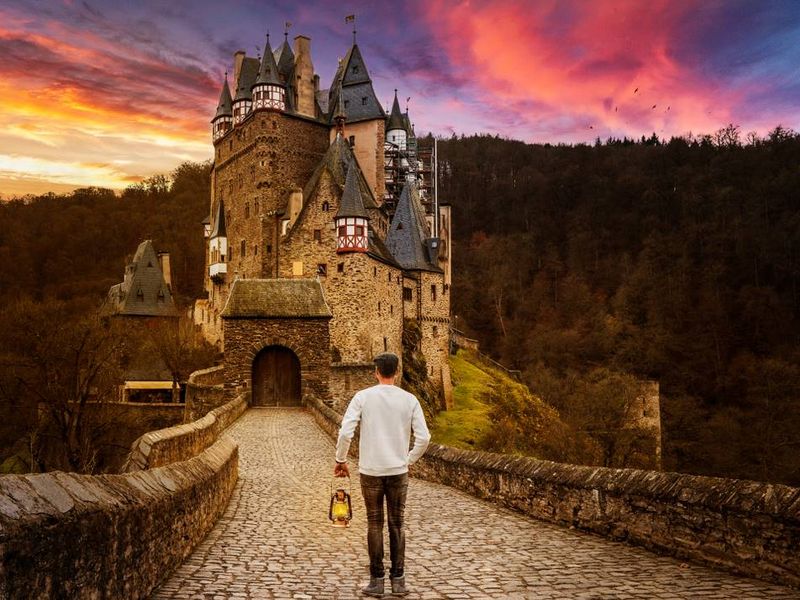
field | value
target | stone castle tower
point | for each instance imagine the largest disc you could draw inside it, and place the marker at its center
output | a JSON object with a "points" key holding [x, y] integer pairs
{"points": [[325, 233]]}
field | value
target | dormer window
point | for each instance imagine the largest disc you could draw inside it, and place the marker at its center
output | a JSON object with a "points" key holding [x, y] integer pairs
{"points": [[363, 101], [355, 69], [140, 295], [346, 103], [161, 296]]}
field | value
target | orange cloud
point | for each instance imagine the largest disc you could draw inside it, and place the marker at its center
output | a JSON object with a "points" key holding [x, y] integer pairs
{"points": [[581, 69]]}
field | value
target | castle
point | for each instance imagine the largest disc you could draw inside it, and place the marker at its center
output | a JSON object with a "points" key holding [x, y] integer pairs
{"points": [[325, 233]]}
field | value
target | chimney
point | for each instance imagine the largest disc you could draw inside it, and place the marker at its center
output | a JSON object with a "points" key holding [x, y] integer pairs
{"points": [[238, 59], [304, 69], [163, 262], [432, 246]]}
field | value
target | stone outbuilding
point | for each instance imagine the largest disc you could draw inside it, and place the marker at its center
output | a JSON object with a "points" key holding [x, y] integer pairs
{"points": [[277, 340]]}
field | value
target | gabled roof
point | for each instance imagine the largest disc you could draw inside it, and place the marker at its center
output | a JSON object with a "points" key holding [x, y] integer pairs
{"points": [[351, 204], [396, 117], [247, 77], [408, 232], [284, 58], [336, 161], [219, 223], [225, 106], [276, 298], [143, 291], [358, 96], [407, 125], [268, 71]]}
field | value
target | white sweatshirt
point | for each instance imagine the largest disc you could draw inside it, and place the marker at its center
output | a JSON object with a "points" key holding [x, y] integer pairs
{"points": [[388, 415]]}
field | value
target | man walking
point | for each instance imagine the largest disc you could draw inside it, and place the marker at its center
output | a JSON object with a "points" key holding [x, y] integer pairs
{"points": [[388, 416]]}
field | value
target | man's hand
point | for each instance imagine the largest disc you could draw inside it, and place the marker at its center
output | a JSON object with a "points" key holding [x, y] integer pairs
{"points": [[341, 470]]}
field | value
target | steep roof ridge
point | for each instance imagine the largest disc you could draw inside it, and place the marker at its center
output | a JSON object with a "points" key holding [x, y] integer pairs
{"points": [[408, 231], [225, 106], [351, 204], [143, 291], [268, 71], [396, 117], [247, 77], [219, 222]]}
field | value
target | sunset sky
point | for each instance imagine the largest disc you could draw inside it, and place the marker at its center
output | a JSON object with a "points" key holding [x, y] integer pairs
{"points": [[108, 92]]}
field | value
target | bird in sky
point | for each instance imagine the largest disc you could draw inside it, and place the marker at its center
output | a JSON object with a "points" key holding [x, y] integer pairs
{"points": [[636, 90], [654, 105]]}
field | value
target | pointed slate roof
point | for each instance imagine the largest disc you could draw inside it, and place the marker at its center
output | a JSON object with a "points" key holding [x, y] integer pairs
{"points": [[408, 232], [268, 72], [247, 77], [143, 291], [276, 298], [396, 117], [219, 223], [357, 94], [284, 58], [351, 204], [225, 106], [408, 126]]}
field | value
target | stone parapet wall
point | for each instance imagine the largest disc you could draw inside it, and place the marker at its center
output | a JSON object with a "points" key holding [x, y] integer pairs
{"points": [[747, 527], [64, 535], [205, 391], [182, 442], [346, 380]]}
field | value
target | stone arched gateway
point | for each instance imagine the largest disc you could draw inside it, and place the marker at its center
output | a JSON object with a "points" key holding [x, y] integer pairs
{"points": [[277, 313], [276, 378]]}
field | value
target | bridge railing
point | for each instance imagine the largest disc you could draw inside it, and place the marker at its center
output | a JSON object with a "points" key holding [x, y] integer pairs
{"points": [[64, 535], [744, 526]]}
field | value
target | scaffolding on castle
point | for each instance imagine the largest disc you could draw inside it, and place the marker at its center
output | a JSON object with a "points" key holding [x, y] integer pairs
{"points": [[415, 162]]}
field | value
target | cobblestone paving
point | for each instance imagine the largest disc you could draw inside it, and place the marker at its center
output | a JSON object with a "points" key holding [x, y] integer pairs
{"points": [[274, 540]]}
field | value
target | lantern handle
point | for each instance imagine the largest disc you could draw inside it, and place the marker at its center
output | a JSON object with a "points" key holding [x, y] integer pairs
{"points": [[349, 483]]}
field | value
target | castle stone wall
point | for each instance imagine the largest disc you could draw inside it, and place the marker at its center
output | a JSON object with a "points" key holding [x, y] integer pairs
{"points": [[181, 442], [369, 137], [434, 322], [346, 380], [747, 527], [308, 338], [124, 533], [205, 391]]}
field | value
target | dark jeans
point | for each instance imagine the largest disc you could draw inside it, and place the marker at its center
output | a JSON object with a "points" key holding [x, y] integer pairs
{"points": [[374, 490]]}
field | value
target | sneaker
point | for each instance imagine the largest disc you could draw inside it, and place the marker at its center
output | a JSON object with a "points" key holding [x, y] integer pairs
{"points": [[375, 587], [399, 586]]}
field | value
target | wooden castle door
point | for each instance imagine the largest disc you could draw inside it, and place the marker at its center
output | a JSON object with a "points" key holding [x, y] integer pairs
{"points": [[276, 377]]}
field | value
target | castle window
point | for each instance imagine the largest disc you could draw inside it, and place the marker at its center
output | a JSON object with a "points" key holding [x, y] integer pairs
{"points": [[355, 69], [317, 235], [246, 209], [385, 345], [363, 100], [399, 226], [359, 230], [326, 206], [391, 309], [244, 249], [390, 277], [407, 294], [433, 292], [374, 271], [255, 249], [352, 141], [346, 103], [322, 270], [379, 308], [342, 230], [340, 267], [435, 331], [269, 248], [255, 207]]}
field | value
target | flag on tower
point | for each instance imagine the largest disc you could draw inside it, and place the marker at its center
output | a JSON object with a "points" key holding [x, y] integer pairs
{"points": [[287, 24], [350, 19]]}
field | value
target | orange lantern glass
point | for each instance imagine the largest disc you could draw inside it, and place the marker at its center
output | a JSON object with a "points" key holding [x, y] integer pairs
{"points": [[340, 511]]}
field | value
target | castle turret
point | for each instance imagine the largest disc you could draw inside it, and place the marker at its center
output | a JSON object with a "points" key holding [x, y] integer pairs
{"points": [[218, 246], [222, 122], [268, 90], [352, 221], [395, 127], [243, 101]]}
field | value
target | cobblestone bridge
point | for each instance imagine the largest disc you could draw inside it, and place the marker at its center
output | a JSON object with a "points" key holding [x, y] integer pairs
{"points": [[274, 541]]}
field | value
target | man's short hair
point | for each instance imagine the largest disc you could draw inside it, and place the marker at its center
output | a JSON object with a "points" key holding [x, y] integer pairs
{"points": [[386, 364]]}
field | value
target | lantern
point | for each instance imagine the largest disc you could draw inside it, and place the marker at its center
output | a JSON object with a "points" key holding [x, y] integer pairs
{"points": [[340, 511]]}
